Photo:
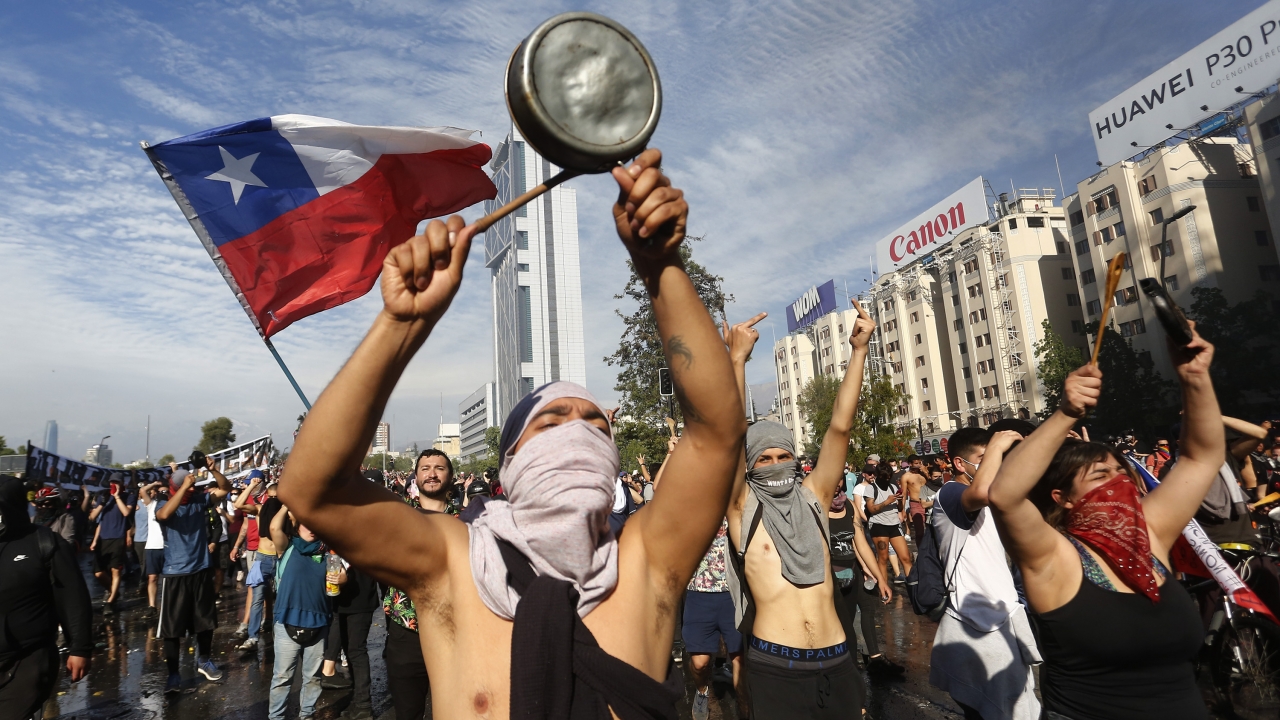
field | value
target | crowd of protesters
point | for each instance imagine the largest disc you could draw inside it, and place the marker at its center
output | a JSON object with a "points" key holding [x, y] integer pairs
{"points": [[555, 583]]}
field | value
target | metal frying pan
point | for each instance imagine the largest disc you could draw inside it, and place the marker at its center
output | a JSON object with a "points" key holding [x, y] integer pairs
{"points": [[585, 94]]}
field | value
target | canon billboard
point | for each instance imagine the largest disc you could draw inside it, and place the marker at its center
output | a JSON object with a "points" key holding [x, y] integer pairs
{"points": [[934, 227]]}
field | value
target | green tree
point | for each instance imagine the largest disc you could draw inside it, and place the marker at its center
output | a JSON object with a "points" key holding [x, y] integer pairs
{"points": [[1055, 360], [1246, 337], [1135, 398], [874, 430], [165, 460], [639, 357], [216, 435], [487, 461], [5, 449], [815, 403]]}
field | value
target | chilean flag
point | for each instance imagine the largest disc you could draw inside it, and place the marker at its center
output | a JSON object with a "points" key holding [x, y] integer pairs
{"points": [[299, 212]]}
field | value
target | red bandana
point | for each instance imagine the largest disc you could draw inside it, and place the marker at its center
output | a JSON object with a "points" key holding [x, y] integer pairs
{"points": [[1109, 518]]}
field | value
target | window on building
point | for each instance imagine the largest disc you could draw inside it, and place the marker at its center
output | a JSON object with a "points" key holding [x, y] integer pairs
{"points": [[1082, 247], [1094, 307], [911, 296], [986, 392], [964, 348], [1068, 273], [888, 305], [1077, 218], [1073, 300], [987, 337], [955, 299], [528, 385], [919, 361], [926, 406], [1013, 223], [924, 383], [977, 340], [1157, 216], [522, 267], [1019, 386], [915, 317], [1002, 281], [1077, 327], [526, 321], [522, 240], [1168, 250], [1270, 128], [1035, 222], [973, 317], [1087, 277], [995, 391], [1105, 234], [1269, 273], [918, 339], [1015, 359], [1063, 247], [1147, 185], [1260, 237], [1118, 230], [968, 397], [1171, 282], [958, 324], [951, 277], [1253, 203], [964, 372], [975, 290], [1125, 296]]}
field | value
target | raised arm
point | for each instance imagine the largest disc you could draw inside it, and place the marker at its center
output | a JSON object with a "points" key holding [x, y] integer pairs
{"points": [[242, 500], [977, 495], [1250, 435], [222, 486], [686, 511], [278, 536], [741, 339], [835, 444], [321, 483], [1031, 540], [1202, 447]]}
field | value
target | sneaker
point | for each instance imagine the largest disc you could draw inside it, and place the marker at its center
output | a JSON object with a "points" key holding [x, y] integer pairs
{"points": [[899, 579], [881, 665], [701, 705], [248, 644], [336, 681], [355, 713], [241, 633], [208, 669], [173, 684]]}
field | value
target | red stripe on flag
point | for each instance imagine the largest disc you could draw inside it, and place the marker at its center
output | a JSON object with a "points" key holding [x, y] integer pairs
{"points": [[330, 251]]}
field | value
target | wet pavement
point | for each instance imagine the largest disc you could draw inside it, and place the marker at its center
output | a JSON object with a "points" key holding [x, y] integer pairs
{"points": [[128, 672]]}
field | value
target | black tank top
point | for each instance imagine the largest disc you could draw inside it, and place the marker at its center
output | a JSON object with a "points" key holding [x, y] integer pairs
{"points": [[1118, 655], [842, 548]]}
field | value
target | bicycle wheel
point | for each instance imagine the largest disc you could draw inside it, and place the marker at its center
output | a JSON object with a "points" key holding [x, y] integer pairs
{"points": [[1249, 663]]}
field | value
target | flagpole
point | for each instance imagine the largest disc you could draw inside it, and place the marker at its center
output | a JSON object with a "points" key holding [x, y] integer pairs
{"points": [[287, 374]]}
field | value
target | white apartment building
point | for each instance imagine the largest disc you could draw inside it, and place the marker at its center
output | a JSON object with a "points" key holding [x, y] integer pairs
{"points": [[448, 440], [1227, 242], [475, 415], [956, 328], [536, 285], [99, 455], [819, 349], [381, 438]]}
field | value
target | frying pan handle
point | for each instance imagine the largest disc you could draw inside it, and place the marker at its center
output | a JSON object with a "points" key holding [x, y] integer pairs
{"points": [[532, 193]]}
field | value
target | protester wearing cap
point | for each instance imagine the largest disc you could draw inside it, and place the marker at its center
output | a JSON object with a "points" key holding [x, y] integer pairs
{"points": [[496, 636]]}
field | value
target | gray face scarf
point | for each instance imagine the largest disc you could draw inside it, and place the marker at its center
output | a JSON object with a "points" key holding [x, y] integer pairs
{"points": [[787, 515]]}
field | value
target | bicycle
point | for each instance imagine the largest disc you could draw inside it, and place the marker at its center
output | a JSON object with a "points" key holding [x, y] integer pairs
{"points": [[1242, 648]]}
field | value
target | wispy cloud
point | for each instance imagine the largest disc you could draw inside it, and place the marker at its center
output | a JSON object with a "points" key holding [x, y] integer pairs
{"points": [[801, 131]]}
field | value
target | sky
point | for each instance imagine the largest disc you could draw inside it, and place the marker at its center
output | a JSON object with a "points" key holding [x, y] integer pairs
{"points": [[801, 133]]}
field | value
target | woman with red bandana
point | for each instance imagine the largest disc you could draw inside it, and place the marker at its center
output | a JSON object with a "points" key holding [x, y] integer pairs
{"points": [[1118, 638]]}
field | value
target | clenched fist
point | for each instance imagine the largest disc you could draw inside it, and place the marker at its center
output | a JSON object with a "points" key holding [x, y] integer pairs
{"points": [[650, 214], [421, 276], [1081, 391]]}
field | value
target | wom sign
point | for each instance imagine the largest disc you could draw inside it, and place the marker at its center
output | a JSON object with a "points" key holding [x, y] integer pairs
{"points": [[936, 226], [813, 304], [1241, 56]]}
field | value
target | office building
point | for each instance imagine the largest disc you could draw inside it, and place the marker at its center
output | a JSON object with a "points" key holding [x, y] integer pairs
{"points": [[956, 328], [98, 455], [448, 440], [381, 438], [1262, 120], [821, 348], [51, 437], [476, 414], [532, 256], [1227, 242]]}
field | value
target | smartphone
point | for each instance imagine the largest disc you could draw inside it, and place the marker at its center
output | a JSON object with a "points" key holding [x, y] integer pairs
{"points": [[1167, 311]]}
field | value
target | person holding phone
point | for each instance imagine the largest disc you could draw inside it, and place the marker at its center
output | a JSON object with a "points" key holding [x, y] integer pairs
{"points": [[109, 546]]}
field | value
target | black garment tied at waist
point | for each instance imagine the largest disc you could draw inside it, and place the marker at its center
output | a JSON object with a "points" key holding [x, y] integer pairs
{"points": [[558, 671]]}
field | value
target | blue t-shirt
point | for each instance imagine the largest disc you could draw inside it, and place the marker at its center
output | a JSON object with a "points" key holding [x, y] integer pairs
{"points": [[140, 524], [186, 542], [112, 523], [300, 597]]}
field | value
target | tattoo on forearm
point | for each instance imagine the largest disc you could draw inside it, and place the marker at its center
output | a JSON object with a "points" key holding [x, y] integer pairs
{"points": [[677, 348]]}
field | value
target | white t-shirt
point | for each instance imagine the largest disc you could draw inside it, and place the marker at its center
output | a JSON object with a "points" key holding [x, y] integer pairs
{"points": [[872, 492], [155, 533], [974, 567]]}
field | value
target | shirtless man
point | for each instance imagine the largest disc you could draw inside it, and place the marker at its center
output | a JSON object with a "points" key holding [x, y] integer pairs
{"points": [[913, 479], [558, 460], [797, 639]]}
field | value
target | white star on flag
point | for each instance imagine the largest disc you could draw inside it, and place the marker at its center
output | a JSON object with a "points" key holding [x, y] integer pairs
{"points": [[237, 173]]}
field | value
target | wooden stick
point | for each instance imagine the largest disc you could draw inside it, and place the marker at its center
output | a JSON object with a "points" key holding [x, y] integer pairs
{"points": [[487, 221], [1114, 269], [671, 427]]}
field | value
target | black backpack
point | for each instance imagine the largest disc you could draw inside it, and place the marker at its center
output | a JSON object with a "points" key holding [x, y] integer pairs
{"points": [[927, 586]]}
